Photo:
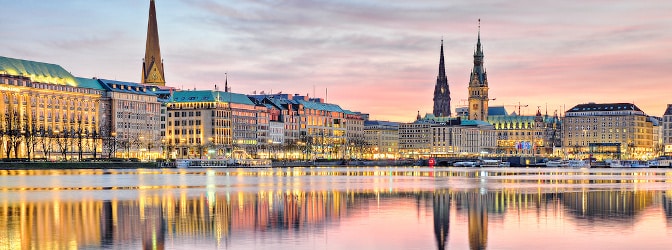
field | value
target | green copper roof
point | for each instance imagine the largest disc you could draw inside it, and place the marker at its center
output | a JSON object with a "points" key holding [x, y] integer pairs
{"points": [[474, 123], [88, 83], [209, 96], [494, 119], [37, 71], [321, 106]]}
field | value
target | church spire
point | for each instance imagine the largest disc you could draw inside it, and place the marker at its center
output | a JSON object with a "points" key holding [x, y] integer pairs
{"points": [[152, 65], [226, 82], [441, 90], [442, 67]]}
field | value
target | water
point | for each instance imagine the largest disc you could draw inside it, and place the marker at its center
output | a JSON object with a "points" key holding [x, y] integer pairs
{"points": [[337, 208]]}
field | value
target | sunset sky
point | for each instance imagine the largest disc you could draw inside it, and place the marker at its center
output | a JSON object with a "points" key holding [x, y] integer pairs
{"points": [[374, 56]]}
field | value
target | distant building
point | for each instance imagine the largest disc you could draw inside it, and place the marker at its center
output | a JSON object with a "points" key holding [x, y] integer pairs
{"points": [[209, 124], [441, 90], [135, 119], [433, 136], [608, 131], [478, 85], [525, 135], [667, 130], [382, 138]]}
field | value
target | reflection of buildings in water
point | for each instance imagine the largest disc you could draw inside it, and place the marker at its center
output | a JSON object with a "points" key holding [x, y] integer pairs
{"points": [[614, 205], [152, 223], [478, 220], [150, 220], [667, 205], [441, 209]]}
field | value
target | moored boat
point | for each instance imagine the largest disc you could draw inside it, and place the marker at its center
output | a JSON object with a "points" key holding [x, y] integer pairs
{"points": [[223, 163], [556, 163], [628, 164], [578, 164]]}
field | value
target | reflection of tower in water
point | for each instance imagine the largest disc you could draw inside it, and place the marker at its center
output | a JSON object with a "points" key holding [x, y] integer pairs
{"points": [[478, 220], [441, 218]]}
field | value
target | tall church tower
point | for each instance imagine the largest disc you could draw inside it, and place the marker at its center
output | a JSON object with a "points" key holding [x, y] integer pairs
{"points": [[152, 65], [441, 90], [478, 85]]}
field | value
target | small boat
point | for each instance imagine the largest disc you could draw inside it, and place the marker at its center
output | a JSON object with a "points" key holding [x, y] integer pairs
{"points": [[223, 163], [466, 164], [578, 164], [491, 163], [628, 164], [556, 163]]}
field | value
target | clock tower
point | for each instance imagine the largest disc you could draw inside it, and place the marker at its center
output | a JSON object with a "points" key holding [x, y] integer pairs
{"points": [[478, 84], [152, 64], [441, 90]]}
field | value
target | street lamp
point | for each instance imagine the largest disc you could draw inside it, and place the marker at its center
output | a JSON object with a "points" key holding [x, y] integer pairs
{"points": [[113, 147]]}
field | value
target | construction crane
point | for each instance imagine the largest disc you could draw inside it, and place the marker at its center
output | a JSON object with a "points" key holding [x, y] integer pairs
{"points": [[517, 106]]}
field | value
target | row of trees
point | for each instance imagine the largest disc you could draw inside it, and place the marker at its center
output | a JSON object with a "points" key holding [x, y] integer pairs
{"points": [[21, 133]]}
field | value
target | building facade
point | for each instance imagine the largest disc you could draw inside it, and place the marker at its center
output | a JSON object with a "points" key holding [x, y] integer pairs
{"points": [[381, 139], [607, 131], [666, 128], [47, 113], [538, 135], [134, 118]]}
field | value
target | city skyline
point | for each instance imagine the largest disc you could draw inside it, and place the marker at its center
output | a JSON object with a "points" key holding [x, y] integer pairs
{"points": [[543, 54]]}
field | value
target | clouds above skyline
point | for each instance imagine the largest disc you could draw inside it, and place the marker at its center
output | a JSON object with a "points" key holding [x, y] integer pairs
{"points": [[377, 57]]}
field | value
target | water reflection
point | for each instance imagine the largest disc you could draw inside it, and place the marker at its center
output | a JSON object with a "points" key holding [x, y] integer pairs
{"points": [[291, 211]]}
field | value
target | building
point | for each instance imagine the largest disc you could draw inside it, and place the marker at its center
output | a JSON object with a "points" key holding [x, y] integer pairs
{"points": [[354, 134], [152, 64], [441, 90], [381, 139], [537, 135], [203, 123], [667, 130], [415, 140], [134, 118], [469, 138], [607, 131], [46, 112], [478, 85], [433, 136]]}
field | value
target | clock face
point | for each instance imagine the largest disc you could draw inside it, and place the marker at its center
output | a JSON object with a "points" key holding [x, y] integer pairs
{"points": [[443, 90]]}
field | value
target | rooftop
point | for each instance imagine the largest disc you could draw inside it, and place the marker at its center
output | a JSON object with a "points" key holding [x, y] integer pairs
{"points": [[210, 96], [604, 107], [37, 71]]}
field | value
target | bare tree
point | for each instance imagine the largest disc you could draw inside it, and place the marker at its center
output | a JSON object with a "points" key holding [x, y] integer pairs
{"points": [[63, 141], [30, 135], [45, 140], [79, 137], [12, 129]]}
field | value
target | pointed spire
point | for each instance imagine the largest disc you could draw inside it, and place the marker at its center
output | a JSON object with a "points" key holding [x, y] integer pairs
{"points": [[417, 118], [226, 82], [479, 50], [152, 67], [442, 67]]}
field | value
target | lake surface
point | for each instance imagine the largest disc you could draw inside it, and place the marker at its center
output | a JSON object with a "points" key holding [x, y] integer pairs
{"points": [[337, 208]]}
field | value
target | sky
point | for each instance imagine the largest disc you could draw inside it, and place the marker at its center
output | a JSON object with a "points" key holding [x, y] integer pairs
{"points": [[373, 56]]}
